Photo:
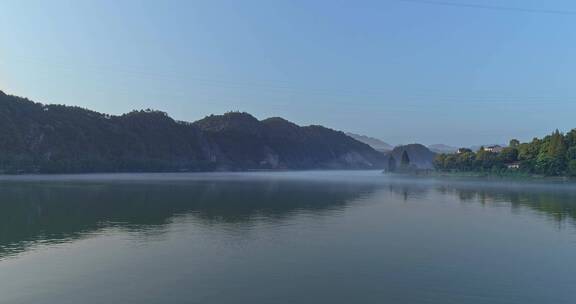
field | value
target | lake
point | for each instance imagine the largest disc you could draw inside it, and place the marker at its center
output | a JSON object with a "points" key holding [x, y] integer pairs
{"points": [[285, 237]]}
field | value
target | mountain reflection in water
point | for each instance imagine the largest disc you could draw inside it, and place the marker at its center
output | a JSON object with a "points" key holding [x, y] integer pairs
{"points": [[42, 212]]}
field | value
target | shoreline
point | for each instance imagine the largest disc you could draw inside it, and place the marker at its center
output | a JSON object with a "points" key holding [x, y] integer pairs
{"points": [[486, 176]]}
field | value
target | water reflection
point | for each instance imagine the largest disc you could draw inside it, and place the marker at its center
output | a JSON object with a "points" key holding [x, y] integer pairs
{"points": [[50, 213], [33, 213], [555, 201]]}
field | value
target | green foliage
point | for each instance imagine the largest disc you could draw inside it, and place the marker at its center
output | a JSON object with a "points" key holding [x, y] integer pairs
{"points": [[571, 153], [553, 155], [514, 143], [37, 138], [570, 138], [508, 155], [572, 168], [439, 161], [466, 160]]}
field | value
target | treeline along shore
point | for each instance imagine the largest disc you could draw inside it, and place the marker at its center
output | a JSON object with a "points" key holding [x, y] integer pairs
{"points": [[553, 155]]}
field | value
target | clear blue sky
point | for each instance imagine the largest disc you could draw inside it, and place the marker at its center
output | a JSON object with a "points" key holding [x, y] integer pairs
{"points": [[403, 71]]}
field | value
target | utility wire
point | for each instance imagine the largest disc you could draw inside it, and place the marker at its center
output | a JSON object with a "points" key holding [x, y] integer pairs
{"points": [[492, 7], [282, 87]]}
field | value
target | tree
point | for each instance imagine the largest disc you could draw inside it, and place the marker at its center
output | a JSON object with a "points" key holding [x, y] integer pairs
{"points": [[466, 160], [556, 154], [440, 162], [572, 168], [485, 159], [405, 160], [571, 138], [451, 162], [529, 151], [391, 164], [557, 146], [571, 153], [508, 155], [514, 143]]}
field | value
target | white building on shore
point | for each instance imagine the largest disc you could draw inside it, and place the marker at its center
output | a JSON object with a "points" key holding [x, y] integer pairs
{"points": [[494, 149]]}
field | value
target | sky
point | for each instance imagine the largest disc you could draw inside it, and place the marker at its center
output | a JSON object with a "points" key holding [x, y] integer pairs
{"points": [[457, 72]]}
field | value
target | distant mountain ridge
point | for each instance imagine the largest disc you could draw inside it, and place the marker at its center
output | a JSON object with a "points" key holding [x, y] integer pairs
{"points": [[61, 139], [442, 148], [375, 143]]}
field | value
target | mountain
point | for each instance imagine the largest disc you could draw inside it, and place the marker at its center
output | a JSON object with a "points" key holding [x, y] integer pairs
{"points": [[442, 148], [59, 139], [375, 143], [420, 156]]}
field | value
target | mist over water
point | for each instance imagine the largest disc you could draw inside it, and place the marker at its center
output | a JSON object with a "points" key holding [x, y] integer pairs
{"points": [[285, 237]]}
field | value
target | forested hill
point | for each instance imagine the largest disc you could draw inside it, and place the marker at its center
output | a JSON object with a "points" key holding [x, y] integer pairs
{"points": [[38, 138]]}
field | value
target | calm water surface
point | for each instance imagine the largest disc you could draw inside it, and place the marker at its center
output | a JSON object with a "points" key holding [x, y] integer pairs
{"points": [[307, 237]]}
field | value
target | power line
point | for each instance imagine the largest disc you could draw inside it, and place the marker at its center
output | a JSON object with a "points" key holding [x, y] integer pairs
{"points": [[286, 88], [492, 7]]}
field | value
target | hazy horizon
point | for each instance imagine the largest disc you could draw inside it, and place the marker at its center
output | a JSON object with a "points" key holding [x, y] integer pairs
{"points": [[432, 72]]}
